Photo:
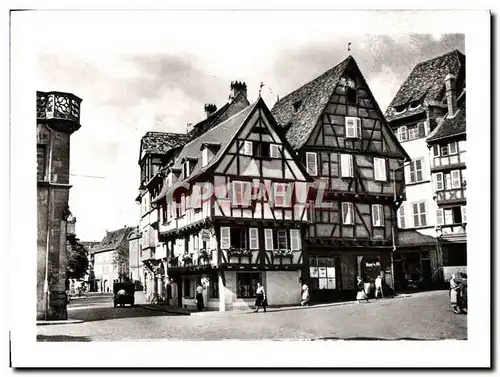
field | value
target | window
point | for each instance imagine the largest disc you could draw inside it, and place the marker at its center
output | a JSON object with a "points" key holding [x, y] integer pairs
{"points": [[377, 215], [439, 216], [311, 163], [225, 237], [452, 148], [40, 159], [402, 217], [254, 238], [264, 149], [380, 169], [346, 165], [247, 148], [439, 182], [281, 239], [204, 156], [444, 150], [412, 132], [238, 238], [352, 127], [403, 133], [455, 179], [419, 214], [448, 216], [213, 285], [457, 215], [296, 105], [280, 195], [416, 171], [464, 214], [241, 193], [347, 213], [164, 212], [295, 240], [322, 273], [351, 95], [274, 151], [435, 150], [268, 239], [247, 284]]}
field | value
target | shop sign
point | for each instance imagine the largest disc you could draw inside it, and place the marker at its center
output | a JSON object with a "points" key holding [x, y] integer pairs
{"points": [[205, 235]]}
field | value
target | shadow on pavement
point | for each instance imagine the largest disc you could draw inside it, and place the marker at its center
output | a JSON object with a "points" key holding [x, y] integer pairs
{"points": [[101, 314], [61, 338]]}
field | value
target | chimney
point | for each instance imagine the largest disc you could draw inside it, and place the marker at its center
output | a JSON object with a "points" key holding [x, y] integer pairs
{"points": [[189, 127], [210, 108], [451, 94], [237, 87]]}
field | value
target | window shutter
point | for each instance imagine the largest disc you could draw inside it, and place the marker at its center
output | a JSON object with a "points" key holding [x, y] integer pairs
{"points": [[312, 163], [380, 169], [295, 239], [375, 215], [254, 239], [401, 216], [248, 148], [403, 135], [435, 150], [349, 127], [358, 127], [274, 151], [225, 237], [455, 179], [346, 165], [204, 156], [347, 213], [464, 214], [439, 217], [268, 239], [420, 130], [439, 182], [426, 128]]}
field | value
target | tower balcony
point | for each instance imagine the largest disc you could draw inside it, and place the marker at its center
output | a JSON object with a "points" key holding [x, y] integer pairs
{"points": [[60, 109]]}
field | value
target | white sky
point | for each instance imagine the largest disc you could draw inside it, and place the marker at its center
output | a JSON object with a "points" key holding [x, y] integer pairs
{"points": [[143, 70]]}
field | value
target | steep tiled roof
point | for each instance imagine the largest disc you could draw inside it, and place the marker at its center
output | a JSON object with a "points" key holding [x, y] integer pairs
{"points": [[162, 142], [229, 109], [450, 126], [426, 81], [312, 98], [413, 238], [113, 239]]}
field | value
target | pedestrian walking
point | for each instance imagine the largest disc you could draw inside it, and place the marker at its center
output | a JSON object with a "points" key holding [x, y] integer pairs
{"points": [[361, 295], [261, 298], [378, 287], [454, 292], [199, 298], [305, 295]]}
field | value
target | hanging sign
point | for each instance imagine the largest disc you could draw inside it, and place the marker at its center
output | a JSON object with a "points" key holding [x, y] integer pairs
{"points": [[205, 235]]}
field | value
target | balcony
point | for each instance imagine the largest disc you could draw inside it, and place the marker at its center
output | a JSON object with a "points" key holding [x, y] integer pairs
{"points": [[455, 161], [62, 109], [451, 196]]}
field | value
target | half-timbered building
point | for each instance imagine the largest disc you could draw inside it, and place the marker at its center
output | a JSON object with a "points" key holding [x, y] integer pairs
{"points": [[341, 136], [448, 166], [414, 113], [233, 213]]}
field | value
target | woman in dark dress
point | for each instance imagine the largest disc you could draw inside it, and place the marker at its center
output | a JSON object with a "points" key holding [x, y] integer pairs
{"points": [[261, 298], [199, 298]]}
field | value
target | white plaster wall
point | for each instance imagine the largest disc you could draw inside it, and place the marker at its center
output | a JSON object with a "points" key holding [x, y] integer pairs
{"points": [[283, 287]]}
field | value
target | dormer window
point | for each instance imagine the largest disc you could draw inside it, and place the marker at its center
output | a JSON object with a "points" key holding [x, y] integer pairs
{"points": [[296, 105], [414, 105], [351, 95], [399, 109]]}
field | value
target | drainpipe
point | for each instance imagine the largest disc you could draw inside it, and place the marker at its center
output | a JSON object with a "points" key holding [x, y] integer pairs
{"points": [[49, 221], [394, 222]]}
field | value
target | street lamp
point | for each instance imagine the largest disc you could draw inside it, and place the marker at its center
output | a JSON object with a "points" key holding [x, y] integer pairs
{"points": [[395, 222]]}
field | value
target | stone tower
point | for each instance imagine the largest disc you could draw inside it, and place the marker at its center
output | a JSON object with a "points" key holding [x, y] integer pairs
{"points": [[58, 116]]}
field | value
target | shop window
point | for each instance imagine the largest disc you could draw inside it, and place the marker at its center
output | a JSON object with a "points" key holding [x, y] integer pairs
{"points": [[247, 284], [322, 273]]}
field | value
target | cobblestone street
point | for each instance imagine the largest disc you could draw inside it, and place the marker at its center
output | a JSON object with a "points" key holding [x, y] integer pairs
{"points": [[425, 316]]}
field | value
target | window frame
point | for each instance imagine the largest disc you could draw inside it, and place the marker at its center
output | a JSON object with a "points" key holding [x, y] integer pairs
{"points": [[268, 236], [355, 126], [253, 241], [247, 149], [401, 216], [276, 148], [380, 169], [235, 193], [350, 211], [346, 158], [309, 154], [419, 214], [456, 179], [379, 210], [414, 170], [282, 195], [439, 174], [439, 217], [295, 235], [403, 130], [463, 209]]}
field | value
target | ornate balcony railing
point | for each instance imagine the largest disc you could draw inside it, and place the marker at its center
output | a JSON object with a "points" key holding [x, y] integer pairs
{"points": [[58, 105]]}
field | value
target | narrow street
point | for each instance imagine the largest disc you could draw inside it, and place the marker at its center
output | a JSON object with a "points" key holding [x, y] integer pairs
{"points": [[423, 316]]}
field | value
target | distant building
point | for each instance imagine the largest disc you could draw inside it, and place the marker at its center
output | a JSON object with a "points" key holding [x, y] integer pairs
{"points": [[415, 114], [58, 116], [106, 263]]}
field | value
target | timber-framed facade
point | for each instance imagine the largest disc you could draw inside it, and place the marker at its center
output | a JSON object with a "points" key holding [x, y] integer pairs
{"points": [[341, 136]]}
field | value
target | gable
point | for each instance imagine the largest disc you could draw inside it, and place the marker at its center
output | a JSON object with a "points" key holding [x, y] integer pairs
{"points": [[352, 98], [261, 132]]}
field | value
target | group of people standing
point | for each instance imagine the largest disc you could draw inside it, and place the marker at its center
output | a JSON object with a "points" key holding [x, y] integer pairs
{"points": [[364, 288]]}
